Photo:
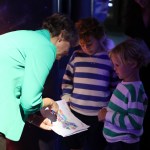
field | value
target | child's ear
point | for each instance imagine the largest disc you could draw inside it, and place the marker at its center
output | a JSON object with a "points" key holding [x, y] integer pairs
{"points": [[134, 64]]}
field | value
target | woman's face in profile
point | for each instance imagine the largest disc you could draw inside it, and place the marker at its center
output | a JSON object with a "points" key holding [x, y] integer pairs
{"points": [[62, 49]]}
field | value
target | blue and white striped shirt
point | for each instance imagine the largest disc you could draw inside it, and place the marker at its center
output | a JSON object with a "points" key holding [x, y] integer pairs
{"points": [[88, 82]]}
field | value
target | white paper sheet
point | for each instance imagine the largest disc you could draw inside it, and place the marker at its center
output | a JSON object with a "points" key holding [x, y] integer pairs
{"points": [[66, 124]]}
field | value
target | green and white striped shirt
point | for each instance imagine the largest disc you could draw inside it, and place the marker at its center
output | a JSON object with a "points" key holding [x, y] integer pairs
{"points": [[126, 111]]}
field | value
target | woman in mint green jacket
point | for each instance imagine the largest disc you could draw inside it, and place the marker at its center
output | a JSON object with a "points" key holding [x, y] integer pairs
{"points": [[26, 57]]}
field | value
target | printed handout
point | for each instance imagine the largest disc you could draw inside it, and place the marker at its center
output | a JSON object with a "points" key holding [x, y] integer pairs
{"points": [[65, 124]]}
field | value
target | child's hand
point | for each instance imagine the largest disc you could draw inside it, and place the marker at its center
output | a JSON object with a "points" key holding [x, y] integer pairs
{"points": [[102, 114], [66, 97]]}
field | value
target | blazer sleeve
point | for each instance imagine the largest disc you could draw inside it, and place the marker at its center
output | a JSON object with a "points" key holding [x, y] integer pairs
{"points": [[38, 62]]}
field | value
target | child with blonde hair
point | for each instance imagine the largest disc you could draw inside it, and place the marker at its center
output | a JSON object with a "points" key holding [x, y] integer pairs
{"points": [[124, 115]]}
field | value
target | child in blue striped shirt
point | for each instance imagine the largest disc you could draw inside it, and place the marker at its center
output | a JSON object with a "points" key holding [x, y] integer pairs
{"points": [[88, 83]]}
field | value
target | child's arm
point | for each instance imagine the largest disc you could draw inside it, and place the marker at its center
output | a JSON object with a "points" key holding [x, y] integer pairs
{"points": [[67, 82]]}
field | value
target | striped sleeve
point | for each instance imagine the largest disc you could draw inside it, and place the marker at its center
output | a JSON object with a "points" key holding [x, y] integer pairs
{"points": [[128, 107], [67, 82]]}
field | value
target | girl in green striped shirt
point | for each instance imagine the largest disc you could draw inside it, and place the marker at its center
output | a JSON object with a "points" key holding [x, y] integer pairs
{"points": [[124, 115]]}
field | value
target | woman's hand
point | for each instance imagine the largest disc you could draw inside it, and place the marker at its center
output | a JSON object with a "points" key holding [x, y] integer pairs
{"points": [[40, 121], [47, 102], [46, 124]]}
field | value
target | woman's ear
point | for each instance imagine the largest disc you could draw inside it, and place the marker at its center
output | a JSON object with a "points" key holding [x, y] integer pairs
{"points": [[60, 36]]}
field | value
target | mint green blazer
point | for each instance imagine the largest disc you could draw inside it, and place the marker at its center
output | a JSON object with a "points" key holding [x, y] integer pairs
{"points": [[26, 58]]}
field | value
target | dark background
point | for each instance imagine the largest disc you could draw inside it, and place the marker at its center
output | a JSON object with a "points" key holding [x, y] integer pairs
{"points": [[28, 14]]}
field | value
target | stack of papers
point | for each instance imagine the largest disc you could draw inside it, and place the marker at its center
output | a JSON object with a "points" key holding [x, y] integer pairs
{"points": [[65, 124]]}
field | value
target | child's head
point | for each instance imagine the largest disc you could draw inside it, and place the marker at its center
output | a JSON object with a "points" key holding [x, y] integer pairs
{"points": [[129, 56], [91, 35]]}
